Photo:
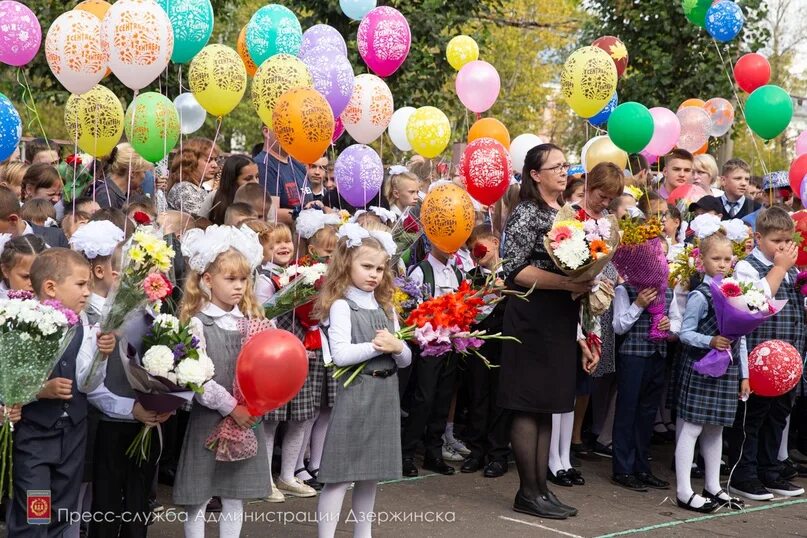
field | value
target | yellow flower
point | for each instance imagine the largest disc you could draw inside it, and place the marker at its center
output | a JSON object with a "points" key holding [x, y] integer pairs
{"points": [[571, 223], [137, 255]]}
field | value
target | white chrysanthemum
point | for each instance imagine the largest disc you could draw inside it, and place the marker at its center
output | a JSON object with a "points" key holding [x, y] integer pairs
{"points": [[573, 252], [755, 299], [705, 225], [207, 364], [190, 371], [159, 360], [167, 321], [736, 230]]}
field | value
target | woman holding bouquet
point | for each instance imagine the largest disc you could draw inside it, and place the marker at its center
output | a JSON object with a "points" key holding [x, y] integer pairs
{"points": [[535, 384]]}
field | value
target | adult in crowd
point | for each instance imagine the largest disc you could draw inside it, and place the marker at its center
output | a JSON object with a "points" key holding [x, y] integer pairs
{"points": [[121, 175], [42, 151], [282, 177], [706, 174], [677, 171], [193, 175], [238, 170]]}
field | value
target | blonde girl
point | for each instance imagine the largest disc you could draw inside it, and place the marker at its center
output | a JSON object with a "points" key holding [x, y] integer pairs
{"points": [[401, 190], [11, 175], [278, 251]]}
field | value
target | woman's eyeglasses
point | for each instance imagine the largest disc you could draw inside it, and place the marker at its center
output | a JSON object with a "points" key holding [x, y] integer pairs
{"points": [[558, 169]]}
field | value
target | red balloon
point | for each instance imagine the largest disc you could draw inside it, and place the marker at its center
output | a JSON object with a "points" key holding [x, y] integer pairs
{"points": [[798, 169], [486, 169], [271, 369], [774, 368], [616, 50], [800, 218], [752, 71]]}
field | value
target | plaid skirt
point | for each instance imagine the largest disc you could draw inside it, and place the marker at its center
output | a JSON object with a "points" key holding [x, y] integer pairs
{"points": [[704, 399], [319, 388]]}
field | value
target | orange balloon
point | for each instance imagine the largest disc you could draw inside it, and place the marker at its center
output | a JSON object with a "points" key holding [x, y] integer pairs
{"points": [[693, 102], [303, 122], [447, 215], [241, 47], [96, 7], [702, 150], [490, 128]]}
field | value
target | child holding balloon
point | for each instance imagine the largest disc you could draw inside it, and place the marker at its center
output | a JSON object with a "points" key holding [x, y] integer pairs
{"points": [[219, 293]]}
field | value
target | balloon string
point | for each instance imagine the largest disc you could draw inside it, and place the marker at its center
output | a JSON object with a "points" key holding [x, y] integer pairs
{"points": [[131, 156], [30, 105], [219, 121], [75, 170]]}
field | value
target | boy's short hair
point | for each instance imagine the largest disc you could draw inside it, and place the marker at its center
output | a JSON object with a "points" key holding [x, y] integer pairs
{"points": [[756, 181], [774, 219], [239, 209], [9, 203], [251, 192], [115, 216], [77, 203], [680, 154], [38, 210], [483, 231], [735, 164], [38, 145], [55, 264]]}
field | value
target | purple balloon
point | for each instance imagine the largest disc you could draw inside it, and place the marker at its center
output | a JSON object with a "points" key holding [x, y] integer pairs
{"points": [[358, 172], [803, 193], [20, 33], [333, 76], [322, 35]]}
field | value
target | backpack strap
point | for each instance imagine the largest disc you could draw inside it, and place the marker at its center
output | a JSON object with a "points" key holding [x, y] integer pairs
{"points": [[428, 275]]}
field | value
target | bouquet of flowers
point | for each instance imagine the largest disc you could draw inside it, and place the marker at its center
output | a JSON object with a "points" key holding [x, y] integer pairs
{"points": [[171, 370], [299, 283], [33, 336], [146, 259], [581, 247], [641, 261], [407, 296], [801, 282], [740, 307], [405, 232], [686, 265]]}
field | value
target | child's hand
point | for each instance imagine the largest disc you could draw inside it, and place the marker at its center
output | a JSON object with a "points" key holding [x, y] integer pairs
{"points": [[385, 342], [242, 417], [786, 258], [13, 413], [58, 388], [664, 324], [162, 418], [720, 342], [749, 245], [106, 343], [590, 358], [645, 297], [745, 389], [149, 418]]}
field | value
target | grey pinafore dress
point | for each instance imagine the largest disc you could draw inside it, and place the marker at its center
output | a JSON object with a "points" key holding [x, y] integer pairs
{"points": [[364, 432], [199, 476]]}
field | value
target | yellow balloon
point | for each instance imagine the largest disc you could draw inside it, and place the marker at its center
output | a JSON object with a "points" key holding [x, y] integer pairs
{"points": [[461, 50], [603, 150], [276, 76], [588, 80], [95, 118], [218, 79], [428, 131]]}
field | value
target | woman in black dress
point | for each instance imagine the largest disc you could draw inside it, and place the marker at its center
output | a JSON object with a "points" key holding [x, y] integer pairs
{"points": [[538, 375]]}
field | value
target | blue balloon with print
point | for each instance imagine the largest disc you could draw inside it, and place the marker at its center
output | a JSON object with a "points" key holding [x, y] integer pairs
{"points": [[357, 9], [192, 22], [273, 29], [724, 20], [10, 128], [603, 115]]}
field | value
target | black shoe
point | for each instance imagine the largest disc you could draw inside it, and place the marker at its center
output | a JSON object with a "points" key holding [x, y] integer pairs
{"points": [[647, 479], [751, 489], [789, 470], [783, 488], [539, 506], [438, 466], [495, 469], [602, 450], [408, 468], [581, 449], [724, 499], [554, 499], [628, 481], [471, 465], [708, 507], [214, 506], [166, 477], [311, 482], [560, 479], [575, 476]]}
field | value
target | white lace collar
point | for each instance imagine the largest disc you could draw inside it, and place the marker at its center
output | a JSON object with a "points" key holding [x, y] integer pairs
{"points": [[215, 312]]}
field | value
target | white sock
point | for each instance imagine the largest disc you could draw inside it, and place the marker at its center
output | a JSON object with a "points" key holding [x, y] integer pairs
{"points": [[292, 445], [318, 434], [309, 425], [712, 450], [232, 517], [687, 434], [363, 502], [783, 452], [565, 446], [329, 507], [269, 429], [195, 524], [555, 464]]}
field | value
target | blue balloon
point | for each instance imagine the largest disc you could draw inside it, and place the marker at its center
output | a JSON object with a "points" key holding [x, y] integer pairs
{"points": [[576, 169], [10, 128], [724, 20], [273, 29], [357, 9], [192, 22], [602, 116]]}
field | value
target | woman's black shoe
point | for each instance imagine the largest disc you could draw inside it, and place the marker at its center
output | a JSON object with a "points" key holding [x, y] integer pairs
{"points": [[575, 476], [709, 507], [539, 506], [409, 468], [724, 499], [495, 469], [438, 466], [571, 509], [471, 465], [560, 479]]}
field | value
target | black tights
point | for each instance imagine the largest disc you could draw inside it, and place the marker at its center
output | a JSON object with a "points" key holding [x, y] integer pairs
{"points": [[529, 436]]}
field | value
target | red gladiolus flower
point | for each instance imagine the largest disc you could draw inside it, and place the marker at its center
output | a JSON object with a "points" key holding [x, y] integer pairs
{"points": [[479, 251], [730, 289], [141, 218]]}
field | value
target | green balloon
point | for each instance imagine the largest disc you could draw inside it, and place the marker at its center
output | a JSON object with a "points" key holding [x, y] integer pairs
{"points": [[695, 11], [768, 111], [630, 127], [155, 130]]}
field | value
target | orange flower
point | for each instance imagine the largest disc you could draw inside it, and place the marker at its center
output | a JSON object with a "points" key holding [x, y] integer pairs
{"points": [[597, 248]]}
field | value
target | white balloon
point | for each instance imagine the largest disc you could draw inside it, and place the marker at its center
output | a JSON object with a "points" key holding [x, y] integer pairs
{"points": [[191, 114], [397, 128], [519, 148], [370, 109], [74, 53]]}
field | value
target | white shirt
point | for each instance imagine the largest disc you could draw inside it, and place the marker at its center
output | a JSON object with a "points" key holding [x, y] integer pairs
{"points": [[445, 278], [466, 261], [626, 314], [3, 290], [86, 354], [745, 272], [264, 287]]}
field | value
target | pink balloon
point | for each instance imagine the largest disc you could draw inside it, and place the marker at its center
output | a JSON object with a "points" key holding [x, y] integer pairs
{"points": [[478, 86], [338, 129], [20, 33], [651, 158], [696, 124], [384, 39], [801, 144], [666, 130]]}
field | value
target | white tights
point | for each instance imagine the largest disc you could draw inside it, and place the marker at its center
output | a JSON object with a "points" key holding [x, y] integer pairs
{"points": [[230, 519], [293, 445], [330, 508], [711, 442], [560, 443], [318, 438]]}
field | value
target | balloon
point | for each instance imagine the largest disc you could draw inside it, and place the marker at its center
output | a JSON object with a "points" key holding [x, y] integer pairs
{"points": [[241, 49], [428, 131], [695, 11], [397, 128], [695, 127], [631, 127], [689, 193], [338, 129], [666, 131], [774, 368], [651, 158], [601, 149], [800, 219], [356, 9], [370, 109], [303, 123], [323, 36], [359, 173], [798, 169], [461, 50], [274, 77], [703, 149], [191, 114], [20, 33], [724, 20], [478, 86], [272, 30], [10, 128], [192, 22], [722, 114], [486, 169], [152, 126], [802, 196], [73, 50], [588, 80], [138, 38], [616, 50], [801, 144], [218, 79], [490, 128], [768, 111], [602, 116], [447, 215], [271, 369], [698, 103], [751, 71], [96, 7], [95, 118], [519, 148], [332, 74], [384, 40]]}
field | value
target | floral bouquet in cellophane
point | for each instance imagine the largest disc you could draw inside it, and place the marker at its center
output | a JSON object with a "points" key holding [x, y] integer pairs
{"points": [[299, 283], [686, 265], [581, 247]]}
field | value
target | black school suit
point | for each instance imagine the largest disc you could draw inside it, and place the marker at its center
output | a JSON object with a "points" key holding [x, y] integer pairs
{"points": [[53, 237], [748, 207]]}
